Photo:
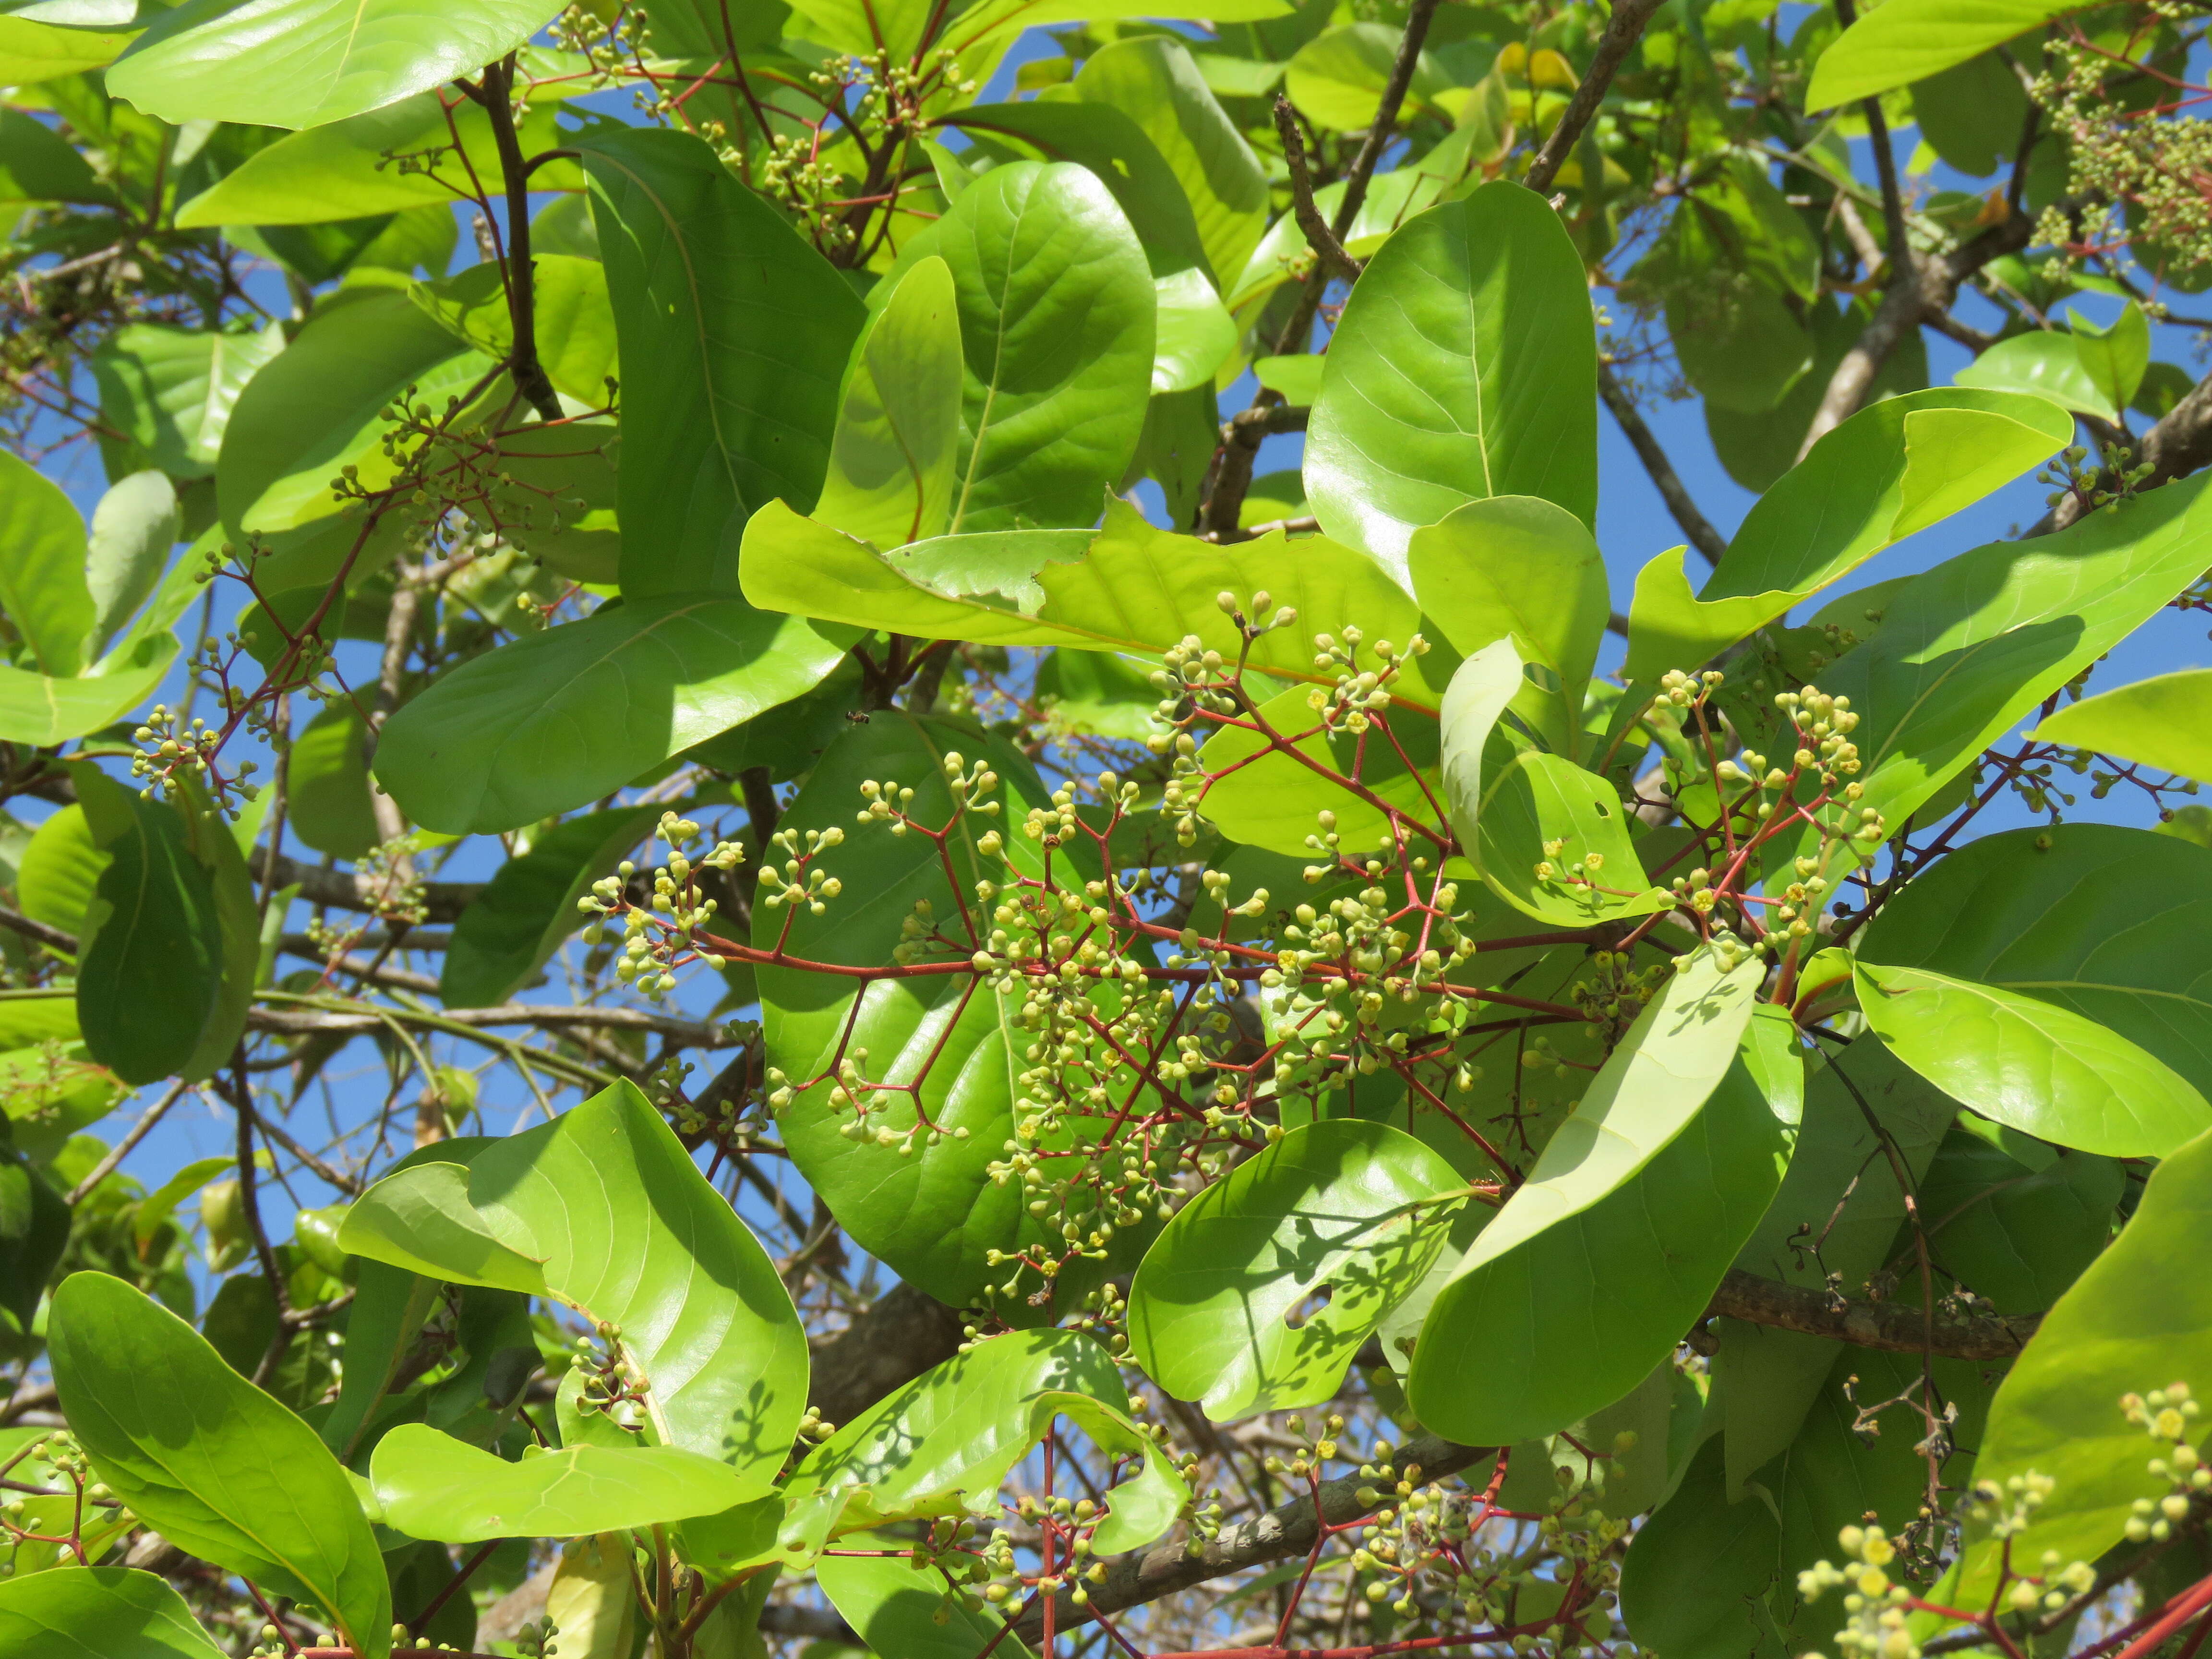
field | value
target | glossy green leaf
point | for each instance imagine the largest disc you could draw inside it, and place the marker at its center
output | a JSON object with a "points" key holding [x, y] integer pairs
{"points": [[1056, 323], [1481, 690], [1538, 800], [1464, 367], [2041, 1067], [1263, 797], [551, 720], [2139, 1318], [894, 1610], [32, 52], [432, 1486], [1196, 334], [1917, 39], [628, 1232], [2113, 924], [104, 1613], [931, 1215], [327, 785], [223, 1470], [1393, 198], [891, 458], [1153, 80], [1890, 471], [2116, 356], [942, 1444], [307, 63], [512, 928], [2014, 1235], [1337, 79], [2049, 364], [1341, 1212], [1972, 113], [734, 332], [318, 405], [576, 320], [2164, 722], [1968, 648], [58, 871], [1516, 566], [1129, 588], [390, 1305], [34, 1233], [42, 586], [1610, 1248]]}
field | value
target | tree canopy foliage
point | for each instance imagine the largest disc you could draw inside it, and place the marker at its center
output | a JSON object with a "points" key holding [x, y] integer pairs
{"points": [[721, 936]]}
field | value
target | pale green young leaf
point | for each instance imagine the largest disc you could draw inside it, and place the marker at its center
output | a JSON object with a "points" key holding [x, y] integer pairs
{"points": [[1464, 367], [547, 722], [1337, 79], [2038, 1066], [57, 873], [734, 332], [1619, 1235], [627, 1231], [1911, 39], [2049, 364], [1890, 471], [134, 526], [102, 1612], [2164, 722], [32, 52], [1195, 333], [220, 1469], [308, 62], [42, 712], [171, 391], [897, 442], [1540, 823], [1153, 80], [434, 1486], [2115, 357], [895, 1611], [1218, 1311], [1485, 685]]}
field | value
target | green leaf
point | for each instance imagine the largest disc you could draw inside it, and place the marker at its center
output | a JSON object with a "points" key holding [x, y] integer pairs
{"points": [[318, 405], [42, 588], [133, 528], [1537, 800], [158, 1206], [2115, 357], [58, 871], [628, 1233], [40, 712], [1971, 646], [2041, 1067], [1153, 80], [2049, 364], [1911, 39], [895, 1611], [575, 319], [347, 169], [1514, 567], [103, 1612], [1196, 334], [544, 723], [2139, 1318], [512, 928], [34, 1233], [1890, 471], [327, 785], [1130, 588], [32, 52], [891, 458], [307, 63], [38, 164], [151, 965], [1393, 198], [1344, 1210], [2164, 722], [1464, 367], [432, 1486], [1337, 79], [2113, 924], [171, 390], [390, 1305], [734, 332], [2015, 1234], [1267, 798], [942, 1444], [1612, 1246], [1972, 113], [1056, 323], [223, 1471]]}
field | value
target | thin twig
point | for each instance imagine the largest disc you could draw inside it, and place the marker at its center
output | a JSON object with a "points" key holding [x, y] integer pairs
{"points": [[1319, 236], [1707, 540], [1629, 18], [121, 1148]]}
